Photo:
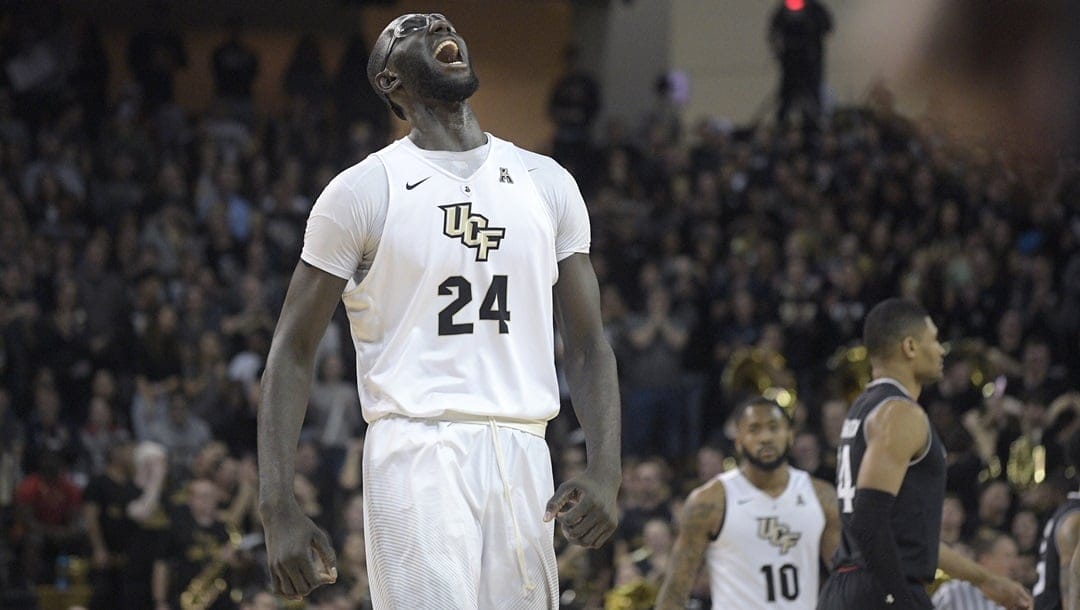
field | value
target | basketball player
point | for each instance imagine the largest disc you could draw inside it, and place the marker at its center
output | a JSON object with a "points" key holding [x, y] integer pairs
{"points": [[450, 249], [1058, 587], [762, 528], [890, 478]]}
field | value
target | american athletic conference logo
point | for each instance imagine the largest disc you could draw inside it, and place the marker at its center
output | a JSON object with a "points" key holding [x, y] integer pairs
{"points": [[777, 534], [471, 229]]}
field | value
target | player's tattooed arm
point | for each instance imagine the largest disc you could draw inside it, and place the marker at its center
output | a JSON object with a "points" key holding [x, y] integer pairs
{"points": [[830, 536], [701, 521]]}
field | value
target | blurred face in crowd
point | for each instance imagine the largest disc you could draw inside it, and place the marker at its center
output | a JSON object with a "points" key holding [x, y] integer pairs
{"points": [[806, 451], [833, 413], [657, 535], [650, 478], [203, 498], [710, 463], [1025, 529], [952, 517], [1002, 558], [994, 502]]}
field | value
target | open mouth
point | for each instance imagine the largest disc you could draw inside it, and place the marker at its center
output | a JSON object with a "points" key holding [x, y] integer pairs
{"points": [[449, 53]]}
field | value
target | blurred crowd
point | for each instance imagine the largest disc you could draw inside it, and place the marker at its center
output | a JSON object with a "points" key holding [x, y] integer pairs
{"points": [[145, 249]]}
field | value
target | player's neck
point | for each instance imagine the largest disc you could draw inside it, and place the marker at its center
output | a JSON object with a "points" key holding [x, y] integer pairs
{"points": [[446, 127], [772, 482], [901, 375]]}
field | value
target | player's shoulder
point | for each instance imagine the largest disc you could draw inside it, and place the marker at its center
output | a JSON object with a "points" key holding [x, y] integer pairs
{"points": [[541, 166], [898, 411], [359, 175], [1068, 526], [704, 506]]}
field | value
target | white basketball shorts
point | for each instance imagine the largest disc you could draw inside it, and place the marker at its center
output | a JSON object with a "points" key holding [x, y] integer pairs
{"points": [[453, 516]]}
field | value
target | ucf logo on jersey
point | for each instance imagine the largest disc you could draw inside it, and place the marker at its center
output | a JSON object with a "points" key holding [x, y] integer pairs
{"points": [[777, 534], [471, 229]]}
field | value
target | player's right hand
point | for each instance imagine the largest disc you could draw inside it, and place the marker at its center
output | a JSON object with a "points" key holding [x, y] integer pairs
{"points": [[586, 508], [299, 554], [1009, 594]]}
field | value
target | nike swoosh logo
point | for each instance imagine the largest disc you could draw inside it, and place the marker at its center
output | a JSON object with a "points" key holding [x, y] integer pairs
{"points": [[744, 501], [533, 169], [409, 187]]}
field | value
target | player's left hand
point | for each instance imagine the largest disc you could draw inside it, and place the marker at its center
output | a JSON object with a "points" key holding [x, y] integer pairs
{"points": [[586, 509], [1012, 595]]}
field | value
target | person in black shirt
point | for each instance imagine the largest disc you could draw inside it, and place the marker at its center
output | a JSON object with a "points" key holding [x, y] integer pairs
{"points": [[196, 555], [890, 479], [108, 526]]}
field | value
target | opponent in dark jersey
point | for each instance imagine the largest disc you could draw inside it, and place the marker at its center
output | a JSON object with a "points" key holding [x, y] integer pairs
{"points": [[1059, 552], [890, 480], [1059, 541]]}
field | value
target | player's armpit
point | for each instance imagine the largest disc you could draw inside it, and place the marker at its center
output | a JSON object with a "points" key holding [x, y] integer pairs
{"points": [[896, 433], [830, 536], [701, 520]]}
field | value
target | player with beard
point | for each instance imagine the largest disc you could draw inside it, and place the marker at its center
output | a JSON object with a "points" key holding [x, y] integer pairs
{"points": [[432, 243], [890, 478], [761, 529]]}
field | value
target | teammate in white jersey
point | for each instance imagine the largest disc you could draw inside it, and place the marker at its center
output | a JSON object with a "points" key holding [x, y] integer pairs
{"points": [[453, 251], [762, 529]]}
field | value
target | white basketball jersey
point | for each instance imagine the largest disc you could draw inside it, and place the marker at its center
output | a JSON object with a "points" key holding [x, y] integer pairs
{"points": [[454, 316], [768, 550]]}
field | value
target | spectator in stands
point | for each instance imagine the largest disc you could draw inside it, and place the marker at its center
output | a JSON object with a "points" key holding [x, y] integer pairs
{"points": [[236, 66], [573, 106], [47, 505], [100, 432], [108, 526], [995, 504], [181, 433], [154, 54], [47, 432]]}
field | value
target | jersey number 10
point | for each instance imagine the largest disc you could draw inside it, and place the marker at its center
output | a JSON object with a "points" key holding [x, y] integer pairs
{"points": [[788, 575]]}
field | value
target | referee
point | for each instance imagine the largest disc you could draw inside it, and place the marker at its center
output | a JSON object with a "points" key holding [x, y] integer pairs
{"points": [[994, 551]]}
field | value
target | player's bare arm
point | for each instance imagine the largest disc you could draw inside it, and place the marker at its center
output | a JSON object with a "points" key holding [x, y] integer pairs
{"points": [[1067, 538], [299, 553], [701, 519], [896, 433], [1009, 594], [1071, 600], [586, 504], [830, 536]]}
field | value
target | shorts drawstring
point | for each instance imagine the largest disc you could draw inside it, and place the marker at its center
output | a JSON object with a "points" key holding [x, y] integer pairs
{"points": [[527, 585]]}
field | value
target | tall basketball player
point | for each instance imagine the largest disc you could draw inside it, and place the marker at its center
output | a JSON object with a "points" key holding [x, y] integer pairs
{"points": [[761, 529], [890, 478], [452, 251]]}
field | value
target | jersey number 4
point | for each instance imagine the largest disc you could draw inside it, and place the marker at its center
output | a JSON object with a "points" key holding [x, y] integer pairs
{"points": [[845, 488], [493, 307]]}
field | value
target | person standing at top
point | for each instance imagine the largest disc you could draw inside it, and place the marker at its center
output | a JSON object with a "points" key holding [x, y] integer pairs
{"points": [[452, 251]]}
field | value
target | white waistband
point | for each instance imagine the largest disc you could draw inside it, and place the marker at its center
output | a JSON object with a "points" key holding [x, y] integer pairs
{"points": [[531, 426]]}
